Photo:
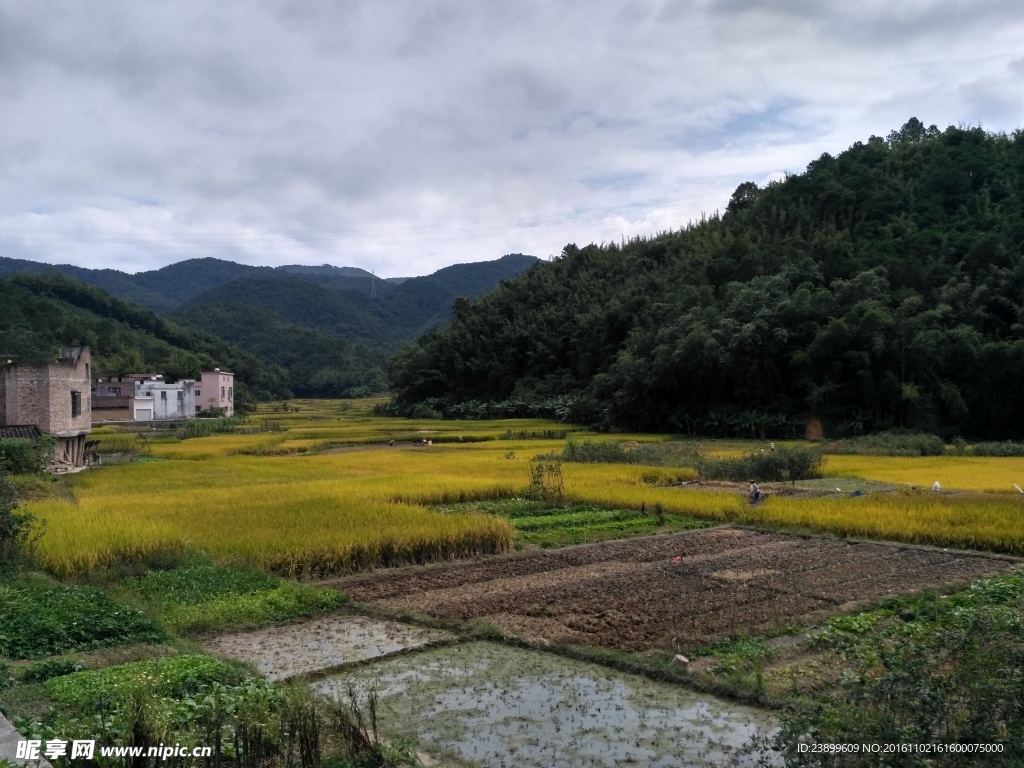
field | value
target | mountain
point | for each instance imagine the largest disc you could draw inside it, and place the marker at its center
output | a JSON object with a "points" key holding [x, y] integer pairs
{"points": [[296, 300], [323, 330], [398, 314], [881, 288], [40, 312], [164, 290]]}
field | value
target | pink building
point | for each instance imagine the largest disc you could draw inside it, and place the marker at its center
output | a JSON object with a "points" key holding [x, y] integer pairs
{"points": [[216, 389]]}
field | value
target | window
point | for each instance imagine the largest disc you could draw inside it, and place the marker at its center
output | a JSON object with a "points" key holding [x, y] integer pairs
{"points": [[222, 393], [198, 393], [114, 391], [76, 404], [231, 392], [181, 396], [199, 408], [163, 394]]}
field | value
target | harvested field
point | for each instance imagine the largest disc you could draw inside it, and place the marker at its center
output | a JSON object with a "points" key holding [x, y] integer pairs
{"points": [[668, 593]]}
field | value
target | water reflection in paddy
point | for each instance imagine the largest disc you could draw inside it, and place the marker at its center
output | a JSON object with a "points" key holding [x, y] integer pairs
{"points": [[501, 707]]}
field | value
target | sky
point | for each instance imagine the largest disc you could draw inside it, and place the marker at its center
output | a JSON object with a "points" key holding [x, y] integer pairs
{"points": [[408, 135]]}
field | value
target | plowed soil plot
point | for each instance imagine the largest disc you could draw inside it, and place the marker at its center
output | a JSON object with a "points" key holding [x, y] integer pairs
{"points": [[675, 592]]}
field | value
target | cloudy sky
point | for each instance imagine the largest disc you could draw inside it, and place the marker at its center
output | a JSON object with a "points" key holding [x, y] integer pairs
{"points": [[404, 136]]}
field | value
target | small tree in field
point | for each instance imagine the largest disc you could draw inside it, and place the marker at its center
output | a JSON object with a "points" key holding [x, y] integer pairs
{"points": [[546, 482]]}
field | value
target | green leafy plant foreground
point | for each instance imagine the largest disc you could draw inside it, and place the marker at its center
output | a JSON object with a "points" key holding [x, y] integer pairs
{"points": [[43, 620], [201, 598]]}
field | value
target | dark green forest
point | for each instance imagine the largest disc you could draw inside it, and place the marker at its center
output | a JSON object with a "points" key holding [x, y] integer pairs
{"points": [[882, 288], [317, 364], [40, 312]]}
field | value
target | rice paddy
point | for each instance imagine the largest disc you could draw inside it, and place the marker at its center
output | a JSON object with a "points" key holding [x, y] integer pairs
{"points": [[321, 490]]}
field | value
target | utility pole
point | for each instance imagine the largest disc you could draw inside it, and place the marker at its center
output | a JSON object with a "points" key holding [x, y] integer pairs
{"points": [[373, 284]]}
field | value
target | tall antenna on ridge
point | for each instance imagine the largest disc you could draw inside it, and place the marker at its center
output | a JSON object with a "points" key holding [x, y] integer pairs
{"points": [[373, 284]]}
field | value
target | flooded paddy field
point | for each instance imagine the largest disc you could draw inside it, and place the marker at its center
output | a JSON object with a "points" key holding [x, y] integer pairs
{"points": [[670, 593], [315, 646], [496, 706]]}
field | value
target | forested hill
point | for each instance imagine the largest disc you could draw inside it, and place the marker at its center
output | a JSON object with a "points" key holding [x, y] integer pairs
{"points": [[39, 313], [881, 288], [317, 299]]}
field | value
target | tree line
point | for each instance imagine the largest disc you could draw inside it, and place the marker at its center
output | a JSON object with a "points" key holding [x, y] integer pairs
{"points": [[882, 288]]}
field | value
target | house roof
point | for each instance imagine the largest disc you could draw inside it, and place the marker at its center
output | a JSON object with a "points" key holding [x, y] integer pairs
{"points": [[29, 431]]}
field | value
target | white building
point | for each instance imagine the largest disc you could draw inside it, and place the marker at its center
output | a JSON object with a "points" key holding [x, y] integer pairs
{"points": [[215, 389], [154, 400]]}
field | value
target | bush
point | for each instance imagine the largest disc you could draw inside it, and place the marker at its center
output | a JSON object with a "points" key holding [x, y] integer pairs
{"points": [[21, 456], [775, 466], [1007, 448], [422, 411], [889, 444], [667, 454], [19, 532], [948, 673], [207, 427]]}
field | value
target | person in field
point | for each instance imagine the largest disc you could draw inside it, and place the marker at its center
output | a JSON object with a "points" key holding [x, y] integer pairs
{"points": [[755, 492]]}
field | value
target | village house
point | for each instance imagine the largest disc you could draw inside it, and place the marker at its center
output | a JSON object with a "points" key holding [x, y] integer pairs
{"points": [[111, 396], [147, 397], [49, 398], [216, 389], [156, 400]]}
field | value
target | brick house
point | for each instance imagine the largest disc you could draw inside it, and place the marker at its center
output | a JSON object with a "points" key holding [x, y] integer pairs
{"points": [[54, 398]]}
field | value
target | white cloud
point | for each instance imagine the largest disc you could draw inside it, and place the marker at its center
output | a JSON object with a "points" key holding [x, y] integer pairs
{"points": [[405, 136]]}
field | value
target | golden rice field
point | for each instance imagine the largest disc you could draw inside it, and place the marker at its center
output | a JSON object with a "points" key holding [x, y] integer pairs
{"points": [[962, 473], [337, 497]]}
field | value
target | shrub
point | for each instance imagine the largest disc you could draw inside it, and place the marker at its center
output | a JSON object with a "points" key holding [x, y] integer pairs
{"points": [[207, 427], [21, 456], [948, 673], [19, 531], [423, 411], [775, 466], [1007, 448], [667, 454], [889, 444]]}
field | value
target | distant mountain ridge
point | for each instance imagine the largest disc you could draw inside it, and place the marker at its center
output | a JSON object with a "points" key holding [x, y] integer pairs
{"points": [[327, 330], [396, 315], [164, 290]]}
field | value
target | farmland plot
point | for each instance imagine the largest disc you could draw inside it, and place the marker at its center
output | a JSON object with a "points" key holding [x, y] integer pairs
{"points": [[669, 593]]}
